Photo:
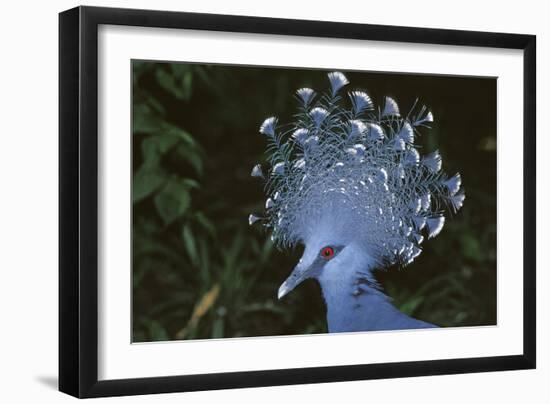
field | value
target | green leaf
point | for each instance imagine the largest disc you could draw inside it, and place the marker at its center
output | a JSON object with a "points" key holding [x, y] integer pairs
{"points": [[179, 69], [165, 142], [205, 223], [156, 105], [140, 67], [218, 327], [145, 182], [192, 157], [172, 201], [150, 151], [204, 262], [143, 120], [153, 147], [411, 305], [183, 78], [187, 83], [179, 133], [157, 331], [471, 247], [166, 81], [191, 183], [189, 242]]}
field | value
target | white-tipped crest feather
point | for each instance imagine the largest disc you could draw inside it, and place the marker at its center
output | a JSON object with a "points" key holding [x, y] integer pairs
{"points": [[424, 116], [453, 184], [257, 171], [398, 144], [432, 161], [337, 81], [375, 132], [457, 200], [426, 201], [390, 107], [406, 133], [360, 101], [311, 143], [268, 126], [252, 218], [419, 222], [300, 135], [306, 95], [412, 157], [355, 171], [356, 128], [435, 225], [279, 169], [318, 115]]}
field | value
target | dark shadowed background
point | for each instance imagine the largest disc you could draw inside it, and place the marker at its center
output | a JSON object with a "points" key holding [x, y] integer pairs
{"points": [[199, 270]]}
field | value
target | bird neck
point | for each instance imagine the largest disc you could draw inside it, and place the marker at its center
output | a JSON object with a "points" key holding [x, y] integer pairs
{"points": [[357, 303]]}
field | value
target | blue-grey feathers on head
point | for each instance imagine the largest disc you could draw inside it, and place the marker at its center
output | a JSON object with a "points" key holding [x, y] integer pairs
{"points": [[356, 169]]}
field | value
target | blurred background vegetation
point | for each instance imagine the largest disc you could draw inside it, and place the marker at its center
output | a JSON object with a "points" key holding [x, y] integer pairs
{"points": [[199, 270]]}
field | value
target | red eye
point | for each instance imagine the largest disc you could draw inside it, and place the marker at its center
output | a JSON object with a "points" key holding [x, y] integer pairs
{"points": [[327, 253]]}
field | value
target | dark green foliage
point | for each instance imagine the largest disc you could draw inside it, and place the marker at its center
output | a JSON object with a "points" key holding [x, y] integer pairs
{"points": [[199, 270]]}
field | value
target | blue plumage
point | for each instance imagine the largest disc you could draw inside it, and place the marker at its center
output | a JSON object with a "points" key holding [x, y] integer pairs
{"points": [[350, 185]]}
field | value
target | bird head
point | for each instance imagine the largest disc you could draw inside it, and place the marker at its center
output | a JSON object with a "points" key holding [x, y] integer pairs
{"points": [[330, 255], [348, 182]]}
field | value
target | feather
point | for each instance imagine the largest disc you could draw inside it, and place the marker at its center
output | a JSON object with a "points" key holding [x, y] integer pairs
{"points": [[356, 128], [400, 172], [300, 164], [360, 149], [375, 132], [418, 238], [432, 161], [257, 171], [415, 252], [398, 144], [406, 133], [419, 222], [390, 107], [381, 174], [426, 201], [318, 115], [365, 176], [306, 95], [337, 81], [415, 205], [268, 126], [360, 101], [411, 157], [300, 135], [457, 200], [279, 169], [252, 218], [435, 225], [424, 117], [311, 143], [453, 184]]}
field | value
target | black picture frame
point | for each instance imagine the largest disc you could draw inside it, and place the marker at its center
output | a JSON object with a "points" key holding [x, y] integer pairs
{"points": [[78, 200]]}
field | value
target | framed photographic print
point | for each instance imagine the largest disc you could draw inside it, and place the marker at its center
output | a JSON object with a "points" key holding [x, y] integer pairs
{"points": [[250, 201]]}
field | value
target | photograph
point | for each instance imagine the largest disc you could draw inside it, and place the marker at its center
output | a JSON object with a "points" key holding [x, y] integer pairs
{"points": [[275, 200], [251, 201]]}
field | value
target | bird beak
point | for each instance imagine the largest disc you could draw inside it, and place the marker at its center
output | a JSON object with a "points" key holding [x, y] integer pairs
{"points": [[299, 274]]}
